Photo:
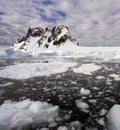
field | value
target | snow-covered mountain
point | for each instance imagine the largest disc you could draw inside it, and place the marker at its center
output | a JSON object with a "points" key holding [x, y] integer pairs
{"points": [[56, 41], [50, 38]]}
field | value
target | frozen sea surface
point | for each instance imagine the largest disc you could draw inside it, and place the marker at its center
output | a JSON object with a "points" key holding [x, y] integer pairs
{"points": [[84, 99]]}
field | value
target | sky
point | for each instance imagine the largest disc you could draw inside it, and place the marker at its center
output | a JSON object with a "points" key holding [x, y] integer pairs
{"points": [[91, 22]]}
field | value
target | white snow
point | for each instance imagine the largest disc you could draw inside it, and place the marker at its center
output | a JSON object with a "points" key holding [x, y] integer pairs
{"points": [[64, 31], [20, 114], [28, 70], [84, 91], [87, 69], [114, 117]]}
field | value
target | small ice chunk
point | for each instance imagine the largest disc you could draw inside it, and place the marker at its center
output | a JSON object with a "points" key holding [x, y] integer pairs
{"points": [[58, 76], [100, 77], [59, 119], [50, 120], [62, 128], [117, 79], [66, 117], [103, 112], [95, 88], [76, 124], [44, 129], [114, 75], [101, 122], [108, 83], [74, 82], [84, 91], [93, 101], [52, 125], [82, 105]]}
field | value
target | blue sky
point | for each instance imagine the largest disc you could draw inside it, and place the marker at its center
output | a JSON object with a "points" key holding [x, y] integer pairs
{"points": [[92, 22]]}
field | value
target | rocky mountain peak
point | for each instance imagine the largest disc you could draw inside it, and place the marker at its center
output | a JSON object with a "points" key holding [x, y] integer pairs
{"points": [[45, 37]]}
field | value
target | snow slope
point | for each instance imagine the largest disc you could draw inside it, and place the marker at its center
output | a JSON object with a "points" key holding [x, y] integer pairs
{"points": [[45, 39]]}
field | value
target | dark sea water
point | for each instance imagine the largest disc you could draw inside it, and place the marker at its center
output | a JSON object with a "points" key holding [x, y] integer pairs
{"points": [[63, 89]]}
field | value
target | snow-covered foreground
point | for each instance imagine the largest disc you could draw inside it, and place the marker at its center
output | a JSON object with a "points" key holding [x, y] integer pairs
{"points": [[29, 70], [26, 112]]}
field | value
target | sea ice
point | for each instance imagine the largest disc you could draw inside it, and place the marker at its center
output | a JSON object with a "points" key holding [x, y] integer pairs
{"points": [[20, 114], [100, 77], [29, 70], [83, 106], [114, 75], [114, 117], [84, 91], [87, 69]]}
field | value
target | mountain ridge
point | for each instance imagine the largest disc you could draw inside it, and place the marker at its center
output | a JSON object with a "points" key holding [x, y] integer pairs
{"points": [[44, 37]]}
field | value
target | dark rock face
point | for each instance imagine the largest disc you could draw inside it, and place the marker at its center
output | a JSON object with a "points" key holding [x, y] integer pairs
{"points": [[56, 35], [35, 32]]}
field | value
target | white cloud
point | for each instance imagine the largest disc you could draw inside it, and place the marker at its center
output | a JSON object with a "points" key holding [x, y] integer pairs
{"points": [[90, 21]]}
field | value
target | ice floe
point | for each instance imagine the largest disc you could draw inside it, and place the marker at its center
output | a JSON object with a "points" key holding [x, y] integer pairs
{"points": [[87, 69], [114, 117], [29, 70], [26, 112]]}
